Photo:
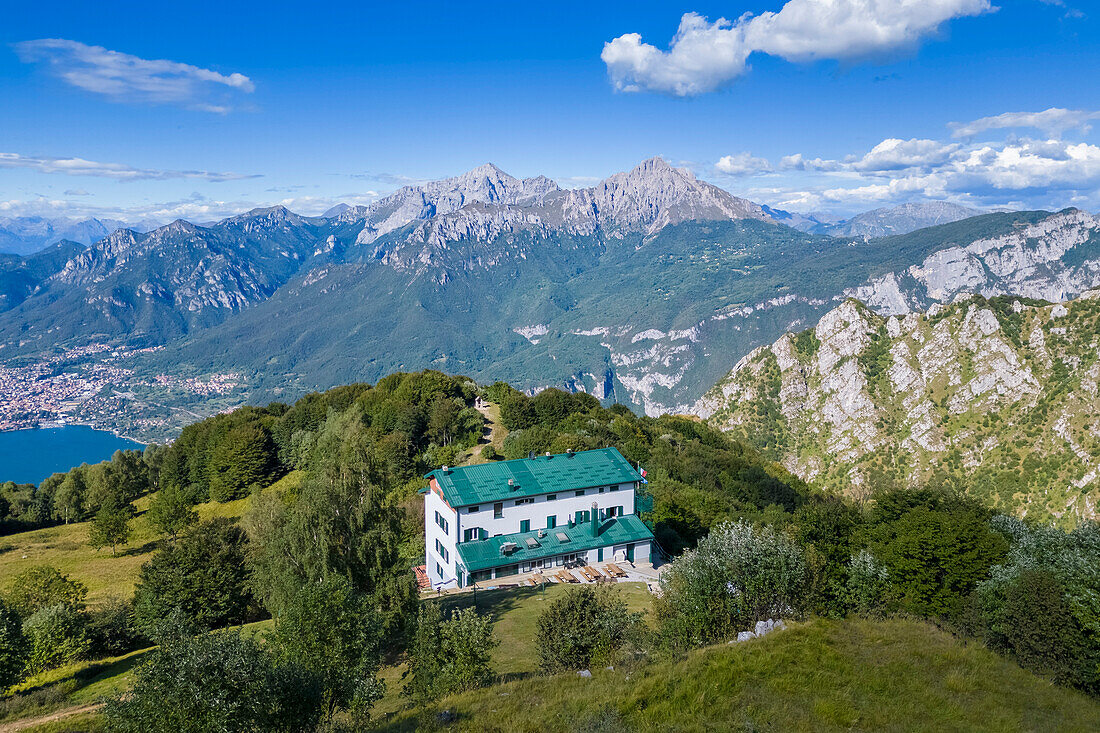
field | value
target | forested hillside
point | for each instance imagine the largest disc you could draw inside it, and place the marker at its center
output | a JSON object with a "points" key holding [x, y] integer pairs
{"points": [[322, 525]]}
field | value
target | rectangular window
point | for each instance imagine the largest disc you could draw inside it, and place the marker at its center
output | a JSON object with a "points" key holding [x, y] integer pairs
{"points": [[525, 525], [472, 509], [615, 487], [498, 510], [618, 511], [439, 570], [551, 521], [442, 551], [471, 534], [601, 489], [551, 497], [580, 492], [442, 522], [521, 502]]}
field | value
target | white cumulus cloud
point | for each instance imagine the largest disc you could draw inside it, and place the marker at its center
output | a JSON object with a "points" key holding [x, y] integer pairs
{"points": [[742, 164], [704, 55], [126, 78]]}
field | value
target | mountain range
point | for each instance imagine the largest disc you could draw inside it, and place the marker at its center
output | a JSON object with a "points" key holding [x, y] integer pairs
{"points": [[997, 396], [645, 288], [24, 235]]}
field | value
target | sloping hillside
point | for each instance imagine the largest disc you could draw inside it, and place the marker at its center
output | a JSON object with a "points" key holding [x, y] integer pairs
{"points": [[996, 396], [819, 676]]}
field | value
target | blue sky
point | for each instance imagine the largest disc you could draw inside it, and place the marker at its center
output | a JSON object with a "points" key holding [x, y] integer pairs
{"points": [[132, 110]]}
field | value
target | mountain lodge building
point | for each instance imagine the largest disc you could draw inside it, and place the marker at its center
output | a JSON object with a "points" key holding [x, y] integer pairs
{"points": [[493, 520]]}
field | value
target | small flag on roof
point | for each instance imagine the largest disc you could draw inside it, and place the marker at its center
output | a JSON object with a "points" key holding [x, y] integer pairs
{"points": [[643, 472]]}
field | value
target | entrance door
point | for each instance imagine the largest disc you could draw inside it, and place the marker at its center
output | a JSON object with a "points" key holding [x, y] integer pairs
{"points": [[599, 555], [630, 552]]}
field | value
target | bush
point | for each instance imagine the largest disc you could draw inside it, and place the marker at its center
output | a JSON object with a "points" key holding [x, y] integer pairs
{"points": [[738, 575], [937, 547], [111, 629], [14, 648], [333, 632], [44, 586], [586, 626], [203, 575], [57, 635], [868, 584], [449, 656], [1042, 605], [215, 682]]}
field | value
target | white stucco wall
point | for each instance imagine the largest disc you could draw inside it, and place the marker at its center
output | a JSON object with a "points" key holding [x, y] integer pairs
{"points": [[432, 532]]}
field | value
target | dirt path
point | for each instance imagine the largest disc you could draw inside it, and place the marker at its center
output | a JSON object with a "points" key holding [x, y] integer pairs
{"points": [[494, 433], [26, 723]]}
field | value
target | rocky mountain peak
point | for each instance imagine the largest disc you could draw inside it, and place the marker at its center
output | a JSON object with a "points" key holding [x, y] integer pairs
{"points": [[654, 194]]}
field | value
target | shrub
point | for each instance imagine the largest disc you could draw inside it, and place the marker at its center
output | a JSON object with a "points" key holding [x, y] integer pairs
{"points": [[111, 629], [738, 575], [1042, 605], [333, 632], [215, 682], [14, 648], [44, 586], [868, 584], [57, 635], [585, 626], [448, 656], [203, 575], [937, 547]]}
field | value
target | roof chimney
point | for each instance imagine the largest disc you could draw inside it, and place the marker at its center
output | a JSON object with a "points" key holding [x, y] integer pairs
{"points": [[569, 452], [511, 483], [595, 520], [548, 455], [445, 468]]}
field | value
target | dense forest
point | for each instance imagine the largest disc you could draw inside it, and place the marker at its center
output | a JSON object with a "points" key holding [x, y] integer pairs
{"points": [[328, 558]]}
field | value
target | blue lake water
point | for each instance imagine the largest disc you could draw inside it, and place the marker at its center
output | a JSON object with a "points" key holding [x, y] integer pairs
{"points": [[28, 456]]}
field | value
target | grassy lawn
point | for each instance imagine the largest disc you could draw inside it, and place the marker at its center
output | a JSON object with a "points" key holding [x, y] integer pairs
{"points": [[822, 675], [66, 548], [514, 612]]}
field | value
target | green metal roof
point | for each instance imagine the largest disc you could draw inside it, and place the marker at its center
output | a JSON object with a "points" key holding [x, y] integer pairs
{"points": [[484, 554], [488, 482]]}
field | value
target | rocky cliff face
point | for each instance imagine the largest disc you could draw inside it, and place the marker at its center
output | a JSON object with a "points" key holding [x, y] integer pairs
{"points": [[1054, 258], [996, 396]]}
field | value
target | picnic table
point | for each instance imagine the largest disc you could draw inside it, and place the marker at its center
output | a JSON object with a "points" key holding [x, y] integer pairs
{"points": [[614, 570], [591, 574], [567, 577]]}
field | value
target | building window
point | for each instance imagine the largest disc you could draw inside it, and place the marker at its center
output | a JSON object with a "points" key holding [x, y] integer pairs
{"points": [[439, 570], [618, 511], [580, 492], [442, 522], [498, 510], [525, 525], [551, 497], [442, 551], [615, 487], [474, 533], [601, 489], [521, 502], [472, 509], [551, 521]]}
